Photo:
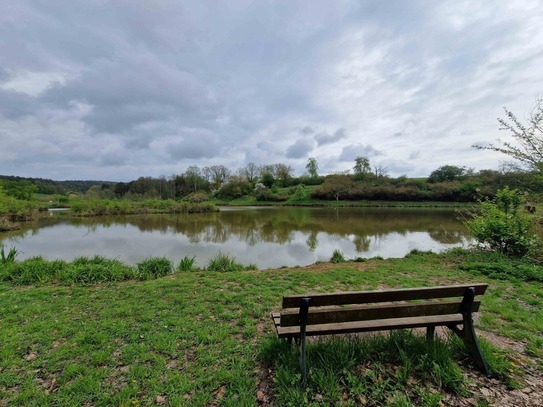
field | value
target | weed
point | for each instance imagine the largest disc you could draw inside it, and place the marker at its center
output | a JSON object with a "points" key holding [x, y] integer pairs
{"points": [[337, 257], [186, 264], [10, 257], [223, 262], [154, 267]]}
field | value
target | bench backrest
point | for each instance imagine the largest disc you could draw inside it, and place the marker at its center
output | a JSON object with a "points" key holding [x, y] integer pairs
{"points": [[364, 305]]}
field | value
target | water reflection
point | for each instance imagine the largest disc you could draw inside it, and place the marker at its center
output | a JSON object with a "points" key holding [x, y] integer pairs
{"points": [[268, 237]]}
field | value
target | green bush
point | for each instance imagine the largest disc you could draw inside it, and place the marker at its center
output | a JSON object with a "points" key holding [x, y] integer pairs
{"points": [[32, 271], [337, 257], [500, 226], [10, 256], [94, 270], [186, 264], [223, 262], [154, 267]]}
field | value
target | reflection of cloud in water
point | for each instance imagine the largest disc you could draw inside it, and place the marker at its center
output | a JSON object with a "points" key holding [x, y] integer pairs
{"points": [[269, 237]]}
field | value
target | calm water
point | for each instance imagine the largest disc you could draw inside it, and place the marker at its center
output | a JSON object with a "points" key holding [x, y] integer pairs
{"points": [[267, 237]]}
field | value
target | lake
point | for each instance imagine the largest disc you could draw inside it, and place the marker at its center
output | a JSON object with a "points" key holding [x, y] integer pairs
{"points": [[265, 236]]}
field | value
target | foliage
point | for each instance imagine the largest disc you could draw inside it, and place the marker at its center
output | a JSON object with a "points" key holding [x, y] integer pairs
{"points": [[224, 263], [500, 226], [100, 207], [371, 370], [154, 267], [362, 166], [447, 173], [312, 167], [186, 264], [10, 256], [335, 186], [528, 139], [506, 271], [82, 270], [337, 257], [236, 187], [19, 189]]}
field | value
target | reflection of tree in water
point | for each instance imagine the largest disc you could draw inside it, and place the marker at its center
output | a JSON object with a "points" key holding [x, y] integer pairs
{"points": [[447, 236], [362, 243], [278, 225], [312, 240]]}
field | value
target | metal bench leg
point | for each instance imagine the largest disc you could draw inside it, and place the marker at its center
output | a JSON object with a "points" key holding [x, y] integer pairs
{"points": [[304, 309], [467, 333], [430, 332]]}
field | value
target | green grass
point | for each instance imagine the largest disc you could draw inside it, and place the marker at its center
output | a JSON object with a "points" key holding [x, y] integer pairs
{"points": [[224, 263], [337, 257], [202, 338], [99, 207]]}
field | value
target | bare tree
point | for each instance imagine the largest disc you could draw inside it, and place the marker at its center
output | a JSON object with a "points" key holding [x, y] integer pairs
{"points": [[528, 148]]}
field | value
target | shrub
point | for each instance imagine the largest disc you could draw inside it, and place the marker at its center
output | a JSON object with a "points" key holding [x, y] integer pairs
{"points": [[337, 257], [95, 270], [154, 267], [223, 262], [33, 270], [500, 226], [10, 257], [186, 264]]}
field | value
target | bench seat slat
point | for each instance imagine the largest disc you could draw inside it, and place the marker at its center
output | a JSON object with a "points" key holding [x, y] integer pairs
{"points": [[373, 325], [320, 316], [365, 297]]}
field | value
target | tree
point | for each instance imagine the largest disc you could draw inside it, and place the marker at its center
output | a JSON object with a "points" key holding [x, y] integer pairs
{"points": [[194, 178], [216, 175], [447, 173], [250, 172], [529, 138], [312, 166], [283, 173], [361, 166], [336, 185], [380, 170], [500, 225]]}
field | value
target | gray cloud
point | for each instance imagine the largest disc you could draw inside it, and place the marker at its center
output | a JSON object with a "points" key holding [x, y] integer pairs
{"points": [[349, 153], [299, 149], [326, 138], [195, 144]]}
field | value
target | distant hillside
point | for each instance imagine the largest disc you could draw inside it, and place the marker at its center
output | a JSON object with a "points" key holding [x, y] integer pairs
{"points": [[49, 186]]}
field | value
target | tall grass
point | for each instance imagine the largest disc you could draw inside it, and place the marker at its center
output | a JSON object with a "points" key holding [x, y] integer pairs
{"points": [[10, 256], [154, 267], [369, 369], [223, 262], [99, 207], [186, 264]]}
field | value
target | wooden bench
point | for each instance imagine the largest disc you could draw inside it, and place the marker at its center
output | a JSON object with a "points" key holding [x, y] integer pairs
{"points": [[364, 311]]}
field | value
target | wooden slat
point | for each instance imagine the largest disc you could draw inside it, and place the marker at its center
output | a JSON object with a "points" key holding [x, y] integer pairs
{"points": [[365, 297], [374, 325], [319, 316]]}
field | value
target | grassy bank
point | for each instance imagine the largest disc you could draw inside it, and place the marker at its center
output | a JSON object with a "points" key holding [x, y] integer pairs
{"points": [[98, 207], [252, 201], [14, 210], [205, 337]]}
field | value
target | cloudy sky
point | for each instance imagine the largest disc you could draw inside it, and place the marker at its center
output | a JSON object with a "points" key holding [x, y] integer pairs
{"points": [[113, 90]]}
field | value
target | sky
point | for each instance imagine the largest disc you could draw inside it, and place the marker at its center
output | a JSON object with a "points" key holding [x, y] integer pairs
{"points": [[115, 90]]}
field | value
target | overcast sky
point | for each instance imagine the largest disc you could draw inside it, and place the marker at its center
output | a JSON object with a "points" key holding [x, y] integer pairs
{"points": [[114, 90]]}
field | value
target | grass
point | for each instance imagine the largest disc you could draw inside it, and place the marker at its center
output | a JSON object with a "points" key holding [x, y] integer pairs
{"points": [[202, 338], [99, 207], [224, 263], [337, 257], [372, 370]]}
